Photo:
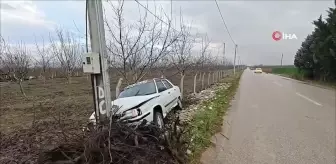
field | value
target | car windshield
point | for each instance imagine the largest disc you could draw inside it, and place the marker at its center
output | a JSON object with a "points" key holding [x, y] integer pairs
{"points": [[139, 89], [258, 69]]}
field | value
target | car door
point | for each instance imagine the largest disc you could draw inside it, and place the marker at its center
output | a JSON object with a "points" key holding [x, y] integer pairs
{"points": [[164, 98], [172, 93]]}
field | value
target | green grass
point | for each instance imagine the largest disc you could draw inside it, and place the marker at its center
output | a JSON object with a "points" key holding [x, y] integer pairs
{"points": [[209, 119], [293, 72]]}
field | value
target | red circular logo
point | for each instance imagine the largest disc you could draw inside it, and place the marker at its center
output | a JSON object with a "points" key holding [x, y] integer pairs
{"points": [[276, 35]]}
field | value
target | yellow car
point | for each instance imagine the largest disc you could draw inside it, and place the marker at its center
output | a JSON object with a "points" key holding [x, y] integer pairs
{"points": [[258, 70]]}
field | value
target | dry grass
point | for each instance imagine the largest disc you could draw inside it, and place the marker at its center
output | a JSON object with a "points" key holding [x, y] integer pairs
{"points": [[29, 125], [56, 97]]}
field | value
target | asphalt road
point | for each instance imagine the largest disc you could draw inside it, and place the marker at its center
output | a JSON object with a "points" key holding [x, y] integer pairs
{"points": [[279, 121]]}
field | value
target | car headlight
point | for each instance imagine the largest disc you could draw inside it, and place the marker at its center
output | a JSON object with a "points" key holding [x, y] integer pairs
{"points": [[132, 113]]}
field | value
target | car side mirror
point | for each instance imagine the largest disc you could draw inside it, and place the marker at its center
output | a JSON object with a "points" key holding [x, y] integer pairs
{"points": [[161, 89]]}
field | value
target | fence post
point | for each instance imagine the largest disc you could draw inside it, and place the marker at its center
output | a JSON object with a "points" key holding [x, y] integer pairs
{"points": [[203, 81], [209, 74], [200, 77], [118, 87], [181, 85], [213, 77], [195, 80]]}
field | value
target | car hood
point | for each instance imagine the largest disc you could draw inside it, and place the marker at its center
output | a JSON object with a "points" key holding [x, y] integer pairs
{"points": [[131, 102]]}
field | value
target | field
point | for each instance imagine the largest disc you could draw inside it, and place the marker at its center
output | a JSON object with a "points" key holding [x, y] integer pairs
{"points": [[55, 99], [290, 71], [293, 72]]}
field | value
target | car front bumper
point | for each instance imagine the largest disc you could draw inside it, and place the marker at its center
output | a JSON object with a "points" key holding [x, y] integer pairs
{"points": [[145, 116], [148, 116]]}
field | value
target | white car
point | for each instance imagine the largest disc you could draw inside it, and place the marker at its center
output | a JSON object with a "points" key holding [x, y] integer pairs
{"points": [[151, 100], [258, 70]]}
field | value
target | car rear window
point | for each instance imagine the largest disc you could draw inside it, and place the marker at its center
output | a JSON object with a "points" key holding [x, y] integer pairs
{"points": [[167, 84]]}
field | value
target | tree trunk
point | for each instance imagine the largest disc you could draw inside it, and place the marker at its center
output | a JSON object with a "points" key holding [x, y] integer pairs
{"points": [[44, 80], [181, 85], [69, 77], [195, 81], [118, 87], [21, 88]]}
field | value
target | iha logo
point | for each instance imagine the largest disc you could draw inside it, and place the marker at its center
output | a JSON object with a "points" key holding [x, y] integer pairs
{"points": [[277, 35]]}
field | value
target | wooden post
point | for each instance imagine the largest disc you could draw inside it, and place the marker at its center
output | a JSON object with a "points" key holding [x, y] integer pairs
{"points": [[209, 74], [118, 87], [213, 77], [195, 81], [181, 85], [200, 77], [203, 81]]}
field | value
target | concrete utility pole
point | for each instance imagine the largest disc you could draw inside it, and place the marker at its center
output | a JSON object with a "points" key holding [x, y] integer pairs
{"points": [[234, 60], [224, 54], [100, 82], [281, 59], [238, 62]]}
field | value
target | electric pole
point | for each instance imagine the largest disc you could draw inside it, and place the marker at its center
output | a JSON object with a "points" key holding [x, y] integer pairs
{"points": [[100, 81], [234, 60], [223, 53], [281, 59], [238, 62]]}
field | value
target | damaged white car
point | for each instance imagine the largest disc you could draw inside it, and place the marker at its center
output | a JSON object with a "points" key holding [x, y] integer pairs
{"points": [[149, 100]]}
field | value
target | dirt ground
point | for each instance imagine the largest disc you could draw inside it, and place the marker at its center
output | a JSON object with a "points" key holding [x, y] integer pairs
{"points": [[56, 98], [30, 125]]}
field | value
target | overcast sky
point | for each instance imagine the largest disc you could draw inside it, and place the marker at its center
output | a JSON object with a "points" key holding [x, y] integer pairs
{"points": [[251, 23]]}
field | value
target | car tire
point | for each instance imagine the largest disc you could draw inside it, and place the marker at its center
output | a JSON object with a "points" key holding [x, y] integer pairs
{"points": [[179, 104], [158, 119]]}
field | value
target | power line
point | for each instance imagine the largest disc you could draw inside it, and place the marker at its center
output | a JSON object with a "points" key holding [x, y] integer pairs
{"points": [[155, 15], [224, 22]]}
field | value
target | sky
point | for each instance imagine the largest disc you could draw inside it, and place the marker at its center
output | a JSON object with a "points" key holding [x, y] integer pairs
{"points": [[250, 23]]}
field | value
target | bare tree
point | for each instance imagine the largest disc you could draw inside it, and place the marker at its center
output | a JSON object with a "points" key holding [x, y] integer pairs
{"points": [[44, 59], [67, 49], [137, 47], [203, 56], [182, 56], [2, 53], [163, 64], [16, 60]]}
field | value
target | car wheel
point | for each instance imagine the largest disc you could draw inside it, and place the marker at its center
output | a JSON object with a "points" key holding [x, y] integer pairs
{"points": [[158, 119], [179, 104]]}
